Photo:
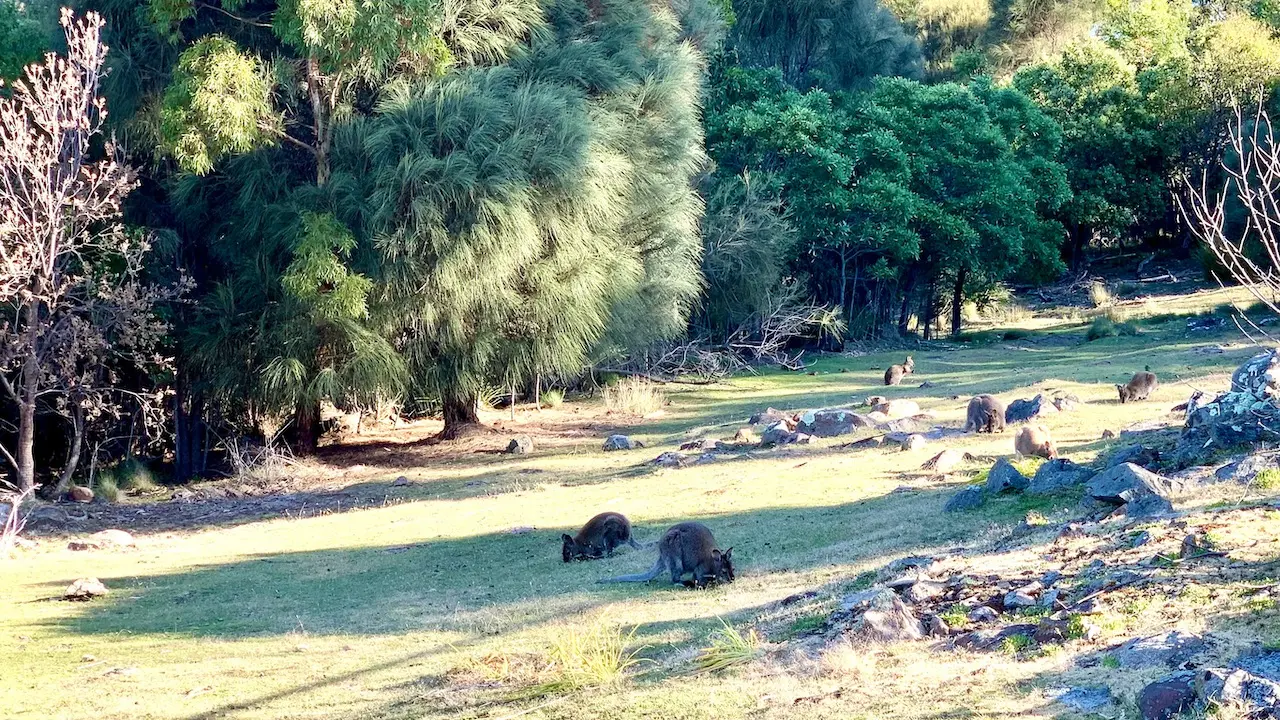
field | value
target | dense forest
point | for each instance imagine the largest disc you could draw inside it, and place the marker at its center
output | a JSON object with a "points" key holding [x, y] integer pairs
{"points": [[424, 205]]}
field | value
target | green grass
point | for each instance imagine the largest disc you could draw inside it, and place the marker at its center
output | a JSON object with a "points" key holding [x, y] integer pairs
{"points": [[1268, 479], [370, 613], [552, 398], [727, 647]]}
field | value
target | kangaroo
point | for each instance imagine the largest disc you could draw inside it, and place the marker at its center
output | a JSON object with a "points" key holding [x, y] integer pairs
{"points": [[1143, 384], [688, 547], [895, 373], [986, 414], [1035, 440], [599, 537]]}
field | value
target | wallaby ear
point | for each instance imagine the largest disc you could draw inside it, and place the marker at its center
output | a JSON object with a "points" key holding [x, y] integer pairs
{"points": [[728, 553], [567, 538]]}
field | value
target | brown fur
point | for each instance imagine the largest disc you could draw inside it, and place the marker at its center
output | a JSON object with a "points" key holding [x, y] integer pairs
{"points": [[599, 537], [1035, 440], [895, 373], [1139, 387], [687, 548], [986, 414]]}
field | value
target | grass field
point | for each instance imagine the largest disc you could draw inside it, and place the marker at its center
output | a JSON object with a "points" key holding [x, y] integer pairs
{"points": [[448, 599]]}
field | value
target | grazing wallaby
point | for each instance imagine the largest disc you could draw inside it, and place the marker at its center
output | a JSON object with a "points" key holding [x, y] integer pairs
{"points": [[895, 373], [1142, 385], [687, 548], [986, 414], [599, 537], [1035, 440]]}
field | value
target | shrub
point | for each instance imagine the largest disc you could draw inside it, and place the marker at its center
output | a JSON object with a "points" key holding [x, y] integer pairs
{"points": [[552, 398], [1101, 327], [635, 396], [728, 648], [1015, 644], [1099, 294], [135, 476], [1016, 334], [1268, 479], [106, 486], [594, 656]]}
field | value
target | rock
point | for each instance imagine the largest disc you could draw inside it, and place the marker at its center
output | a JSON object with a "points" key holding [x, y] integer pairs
{"points": [[885, 618], [863, 599], [1171, 649], [767, 417], [1018, 599], [936, 627], [906, 426], [1083, 699], [1005, 478], [668, 460], [1140, 539], [1252, 682], [983, 614], [877, 418], [1066, 403], [81, 494], [1166, 698], [1049, 598], [621, 442], [699, 445], [522, 445], [1139, 455], [1051, 631], [1148, 506], [871, 442], [403, 481], [990, 639], [85, 589], [777, 434], [830, 423], [1128, 482], [1259, 375], [967, 499], [704, 458], [803, 439], [1058, 474], [744, 436], [874, 400], [112, 536], [946, 461], [1020, 411], [1246, 469], [898, 408], [914, 441], [923, 590]]}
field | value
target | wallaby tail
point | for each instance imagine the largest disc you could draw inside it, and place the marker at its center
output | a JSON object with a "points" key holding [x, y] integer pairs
{"points": [[654, 572]]}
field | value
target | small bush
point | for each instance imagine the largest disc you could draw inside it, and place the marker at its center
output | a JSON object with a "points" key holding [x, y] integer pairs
{"points": [[1015, 644], [1076, 629], [1127, 329], [1268, 479], [634, 396], [1099, 294], [552, 398], [1101, 327], [1110, 662], [595, 656], [134, 475], [728, 648], [105, 486], [956, 616], [1016, 334]]}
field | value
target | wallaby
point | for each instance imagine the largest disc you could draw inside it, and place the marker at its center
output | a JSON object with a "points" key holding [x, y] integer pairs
{"points": [[1142, 385], [986, 414], [688, 547], [599, 537], [895, 373], [1035, 440]]}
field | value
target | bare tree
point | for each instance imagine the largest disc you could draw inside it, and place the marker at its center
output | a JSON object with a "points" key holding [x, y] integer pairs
{"points": [[75, 308], [1240, 223]]}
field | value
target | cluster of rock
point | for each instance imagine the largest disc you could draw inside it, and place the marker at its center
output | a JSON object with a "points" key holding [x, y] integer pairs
{"points": [[914, 605], [1250, 683], [1140, 492], [1247, 414], [1021, 411]]}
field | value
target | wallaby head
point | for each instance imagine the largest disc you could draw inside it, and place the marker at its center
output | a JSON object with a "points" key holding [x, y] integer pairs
{"points": [[571, 550], [723, 562], [910, 365], [1124, 393]]}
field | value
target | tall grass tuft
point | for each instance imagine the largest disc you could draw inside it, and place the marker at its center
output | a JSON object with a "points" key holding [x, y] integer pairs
{"points": [[596, 656], [1099, 294], [728, 648], [552, 398], [106, 486], [634, 396]]}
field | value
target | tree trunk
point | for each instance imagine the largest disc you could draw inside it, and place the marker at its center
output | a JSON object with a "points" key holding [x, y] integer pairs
{"points": [[957, 301], [73, 455], [320, 112], [904, 315], [306, 415], [459, 412], [27, 403]]}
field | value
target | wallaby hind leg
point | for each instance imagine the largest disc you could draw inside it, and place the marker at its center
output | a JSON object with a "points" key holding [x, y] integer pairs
{"points": [[676, 569]]}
